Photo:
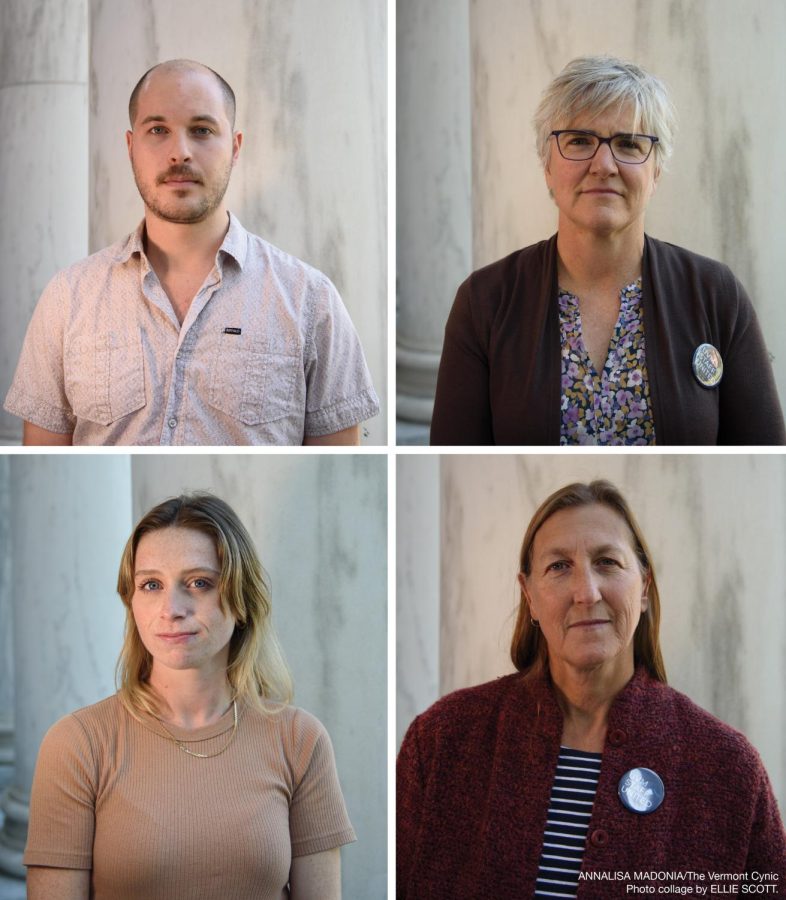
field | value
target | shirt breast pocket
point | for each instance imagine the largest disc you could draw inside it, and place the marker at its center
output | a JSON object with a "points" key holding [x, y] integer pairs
{"points": [[105, 376], [254, 382]]}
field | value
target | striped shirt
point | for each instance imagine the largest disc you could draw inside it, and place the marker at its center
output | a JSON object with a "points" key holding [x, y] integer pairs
{"points": [[570, 808]]}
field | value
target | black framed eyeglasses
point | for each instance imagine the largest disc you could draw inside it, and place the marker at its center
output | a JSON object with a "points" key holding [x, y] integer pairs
{"points": [[579, 146]]}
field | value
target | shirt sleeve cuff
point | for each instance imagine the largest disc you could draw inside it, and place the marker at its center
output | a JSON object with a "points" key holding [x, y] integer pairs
{"points": [[341, 415], [52, 418]]}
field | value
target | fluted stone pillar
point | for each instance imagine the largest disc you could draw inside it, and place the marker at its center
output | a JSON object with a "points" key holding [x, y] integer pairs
{"points": [[417, 586], [6, 642], [43, 163], [70, 518], [434, 233]]}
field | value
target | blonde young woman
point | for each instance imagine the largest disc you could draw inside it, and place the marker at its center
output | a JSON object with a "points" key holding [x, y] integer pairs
{"points": [[197, 780]]}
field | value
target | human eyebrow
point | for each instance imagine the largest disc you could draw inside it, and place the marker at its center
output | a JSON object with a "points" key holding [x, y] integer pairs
{"points": [[203, 118]]}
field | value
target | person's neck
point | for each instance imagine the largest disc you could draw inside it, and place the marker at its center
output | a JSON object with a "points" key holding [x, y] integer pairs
{"points": [[191, 698], [589, 260], [585, 697], [172, 247]]}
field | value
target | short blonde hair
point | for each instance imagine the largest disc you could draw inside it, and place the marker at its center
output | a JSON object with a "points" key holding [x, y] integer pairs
{"points": [[595, 84], [528, 649], [257, 670]]}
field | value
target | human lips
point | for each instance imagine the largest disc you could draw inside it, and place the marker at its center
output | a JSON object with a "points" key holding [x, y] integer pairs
{"points": [[590, 623], [176, 637]]}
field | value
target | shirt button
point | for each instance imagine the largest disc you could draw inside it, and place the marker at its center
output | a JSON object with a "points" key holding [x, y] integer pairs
{"points": [[617, 737], [172, 422], [599, 837]]}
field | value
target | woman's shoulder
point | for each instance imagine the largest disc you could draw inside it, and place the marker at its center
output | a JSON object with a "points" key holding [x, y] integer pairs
{"points": [[463, 710], [529, 260], [662, 255], [95, 718], [699, 729], [297, 728]]}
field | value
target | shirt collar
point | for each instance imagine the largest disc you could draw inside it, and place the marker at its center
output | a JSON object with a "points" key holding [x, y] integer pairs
{"points": [[235, 243]]}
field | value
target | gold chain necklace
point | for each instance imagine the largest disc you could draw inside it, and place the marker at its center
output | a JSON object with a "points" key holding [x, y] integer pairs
{"points": [[203, 755]]}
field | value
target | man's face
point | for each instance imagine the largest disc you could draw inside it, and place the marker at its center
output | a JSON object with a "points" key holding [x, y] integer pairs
{"points": [[182, 149]]}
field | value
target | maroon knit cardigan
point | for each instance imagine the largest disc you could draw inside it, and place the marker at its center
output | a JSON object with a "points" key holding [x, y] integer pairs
{"points": [[475, 773]]}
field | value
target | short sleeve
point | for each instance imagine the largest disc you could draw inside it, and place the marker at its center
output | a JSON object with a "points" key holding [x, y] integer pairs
{"points": [[62, 803], [339, 392], [318, 817], [37, 392]]}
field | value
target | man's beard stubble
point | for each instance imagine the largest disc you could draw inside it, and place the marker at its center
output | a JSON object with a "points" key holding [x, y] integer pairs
{"points": [[194, 210]]}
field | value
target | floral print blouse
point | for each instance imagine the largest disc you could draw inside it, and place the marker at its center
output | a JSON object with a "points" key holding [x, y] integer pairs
{"points": [[611, 407]]}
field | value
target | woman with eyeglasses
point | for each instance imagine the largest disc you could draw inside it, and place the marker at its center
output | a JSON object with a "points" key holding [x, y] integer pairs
{"points": [[601, 334]]}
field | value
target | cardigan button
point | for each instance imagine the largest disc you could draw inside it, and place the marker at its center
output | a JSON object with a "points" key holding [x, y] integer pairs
{"points": [[617, 737], [599, 837]]}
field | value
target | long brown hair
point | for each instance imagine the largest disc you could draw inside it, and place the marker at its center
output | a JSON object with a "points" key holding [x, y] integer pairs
{"points": [[257, 670], [528, 649]]}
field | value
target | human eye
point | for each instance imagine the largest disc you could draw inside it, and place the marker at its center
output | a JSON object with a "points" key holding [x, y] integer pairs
{"points": [[203, 131], [201, 584], [157, 129], [577, 139], [559, 565], [150, 584], [608, 562]]}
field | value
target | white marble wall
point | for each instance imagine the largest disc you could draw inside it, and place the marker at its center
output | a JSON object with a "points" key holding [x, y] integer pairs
{"points": [[716, 526], [320, 526], [725, 193], [417, 586], [65, 542], [433, 209], [43, 163], [310, 80], [6, 628]]}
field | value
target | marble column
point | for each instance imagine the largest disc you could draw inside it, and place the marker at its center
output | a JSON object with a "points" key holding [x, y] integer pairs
{"points": [[6, 630], [310, 81], [319, 524], [434, 236], [417, 586], [70, 518], [43, 163]]}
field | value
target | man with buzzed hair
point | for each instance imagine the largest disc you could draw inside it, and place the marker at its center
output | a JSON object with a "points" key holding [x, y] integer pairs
{"points": [[191, 330]]}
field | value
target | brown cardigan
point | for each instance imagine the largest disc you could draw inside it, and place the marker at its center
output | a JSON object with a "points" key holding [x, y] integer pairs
{"points": [[499, 377], [474, 778]]}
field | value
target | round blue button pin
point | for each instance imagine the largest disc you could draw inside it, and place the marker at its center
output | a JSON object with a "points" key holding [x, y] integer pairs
{"points": [[641, 790]]}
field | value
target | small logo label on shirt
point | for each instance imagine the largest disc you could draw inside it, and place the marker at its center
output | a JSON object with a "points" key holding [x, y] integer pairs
{"points": [[232, 331]]}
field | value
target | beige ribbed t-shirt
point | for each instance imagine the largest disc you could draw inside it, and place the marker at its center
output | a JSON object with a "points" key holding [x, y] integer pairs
{"points": [[152, 823]]}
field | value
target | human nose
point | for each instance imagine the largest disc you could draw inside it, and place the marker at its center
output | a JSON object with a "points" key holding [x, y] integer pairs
{"points": [[173, 603], [586, 588], [180, 148], [603, 161]]}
